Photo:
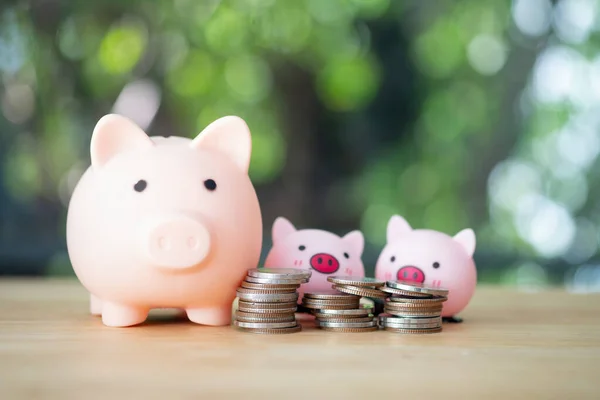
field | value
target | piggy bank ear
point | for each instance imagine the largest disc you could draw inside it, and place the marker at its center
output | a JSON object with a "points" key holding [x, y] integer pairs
{"points": [[466, 238], [282, 228], [356, 240], [229, 136], [115, 134], [396, 227]]}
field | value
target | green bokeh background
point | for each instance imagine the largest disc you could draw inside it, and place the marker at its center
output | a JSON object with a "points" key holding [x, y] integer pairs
{"points": [[454, 114]]}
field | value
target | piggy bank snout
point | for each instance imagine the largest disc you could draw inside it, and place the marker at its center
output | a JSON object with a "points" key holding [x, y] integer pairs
{"points": [[324, 263], [411, 274], [176, 242]]}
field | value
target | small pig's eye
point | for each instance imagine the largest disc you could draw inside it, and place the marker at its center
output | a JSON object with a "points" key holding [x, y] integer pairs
{"points": [[301, 247], [436, 265], [140, 185], [210, 184], [346, 255], [393, 259]]}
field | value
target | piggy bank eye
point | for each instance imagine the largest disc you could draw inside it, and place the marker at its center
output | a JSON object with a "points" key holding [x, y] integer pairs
{"points": [[140, 185], [301, 247], [346, 255], [393, 259], [210, 184], [436, 265]]}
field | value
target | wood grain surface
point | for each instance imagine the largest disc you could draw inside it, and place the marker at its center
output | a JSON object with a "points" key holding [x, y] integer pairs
{"points": [[514, 345]]}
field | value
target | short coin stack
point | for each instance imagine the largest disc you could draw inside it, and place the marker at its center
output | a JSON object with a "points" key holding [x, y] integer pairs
{"points": [[341, 311], [412, 307], [268, 300]]}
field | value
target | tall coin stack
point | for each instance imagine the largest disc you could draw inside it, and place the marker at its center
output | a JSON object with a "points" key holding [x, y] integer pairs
{"points": [[412, 307], [267, 300]]}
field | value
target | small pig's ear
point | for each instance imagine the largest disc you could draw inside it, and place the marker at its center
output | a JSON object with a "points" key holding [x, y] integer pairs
{"points": [[230, 136], [466, 238], [281, 228], [115, 134], [396, 227], [356, 240]]}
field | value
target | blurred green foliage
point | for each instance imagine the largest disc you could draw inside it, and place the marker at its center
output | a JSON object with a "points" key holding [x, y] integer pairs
{"points": [[481, 151]]}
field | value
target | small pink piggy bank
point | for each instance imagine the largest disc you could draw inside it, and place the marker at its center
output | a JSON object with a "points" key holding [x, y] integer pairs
{"points": [[432, 258], [323, 252], [164, 222]]}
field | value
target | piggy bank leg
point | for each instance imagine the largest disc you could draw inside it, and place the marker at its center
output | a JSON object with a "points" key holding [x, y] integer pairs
{"points": [[95, 305], [119, 315], [217, 316]]}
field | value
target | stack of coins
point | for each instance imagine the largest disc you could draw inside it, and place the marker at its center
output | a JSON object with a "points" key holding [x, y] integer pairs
{"points": [[412, 307], [267, 300], [339, 312], [362, 287]]}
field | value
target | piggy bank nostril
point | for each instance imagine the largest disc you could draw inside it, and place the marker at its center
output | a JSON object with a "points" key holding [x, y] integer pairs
{"points": [[320, 260], [415, 275], [330, 262], [192, 242], [163, 243]]}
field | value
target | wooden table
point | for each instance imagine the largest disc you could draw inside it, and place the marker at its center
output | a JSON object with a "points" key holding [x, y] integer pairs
{"points": [[511, 345]]}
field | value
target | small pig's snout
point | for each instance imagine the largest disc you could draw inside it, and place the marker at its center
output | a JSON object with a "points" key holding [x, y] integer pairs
{"points": [[177, 242], [324, 263], [411, 274]]}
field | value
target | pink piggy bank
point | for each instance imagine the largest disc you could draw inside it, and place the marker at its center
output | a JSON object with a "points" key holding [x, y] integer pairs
{"points": [[323, 252], [164, 222], [432, 258]]}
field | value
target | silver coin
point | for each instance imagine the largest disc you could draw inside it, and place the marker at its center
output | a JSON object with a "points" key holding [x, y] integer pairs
{"points": [[361, 291], [409, 322], [253, 304], [280, 273], [394, 291], [268, 310], [405, 326], [266, 297], [359, 312], [413, 331], [275, 331], [351, 301], [414, 314], [265, 325], [325, 306], [415, 310], [253, 317], [346, 319], [355, 281], [276, 281], [417, 300], [331, 306], [330, 295], [327, 324], [416, 287], [268, 286]]}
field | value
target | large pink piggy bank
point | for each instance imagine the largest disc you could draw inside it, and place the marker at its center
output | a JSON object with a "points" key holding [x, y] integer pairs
{"points": [[323, 252], [432, 258], [164, 222]]}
